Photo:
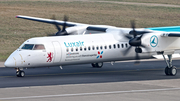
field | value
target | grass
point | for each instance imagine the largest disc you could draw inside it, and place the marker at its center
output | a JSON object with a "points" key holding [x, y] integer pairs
{"points": [[174, 2], [14, 31]]}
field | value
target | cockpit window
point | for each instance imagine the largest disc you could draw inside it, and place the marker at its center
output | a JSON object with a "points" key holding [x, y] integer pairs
{"points": [[28, 46], [33, 47], [39, 47]]}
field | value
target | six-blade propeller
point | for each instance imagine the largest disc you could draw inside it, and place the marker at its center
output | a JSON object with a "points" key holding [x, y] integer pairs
{"points": [[135, 41]]}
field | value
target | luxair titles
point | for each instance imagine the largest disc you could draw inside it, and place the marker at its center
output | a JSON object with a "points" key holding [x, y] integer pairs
{"points": [[74, 44]]}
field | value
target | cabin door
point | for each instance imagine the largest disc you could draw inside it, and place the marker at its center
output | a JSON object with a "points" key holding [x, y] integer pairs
{"points": [[57, 52]]}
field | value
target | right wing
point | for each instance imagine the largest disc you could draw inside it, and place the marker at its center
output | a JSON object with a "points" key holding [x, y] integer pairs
{"points": [[50, 21]]}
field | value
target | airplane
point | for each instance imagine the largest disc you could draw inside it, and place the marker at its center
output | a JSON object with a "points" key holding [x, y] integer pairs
{"points": [[78, 43]]}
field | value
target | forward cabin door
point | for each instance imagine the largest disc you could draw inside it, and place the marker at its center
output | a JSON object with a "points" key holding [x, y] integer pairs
{"points": [[57, 52]]}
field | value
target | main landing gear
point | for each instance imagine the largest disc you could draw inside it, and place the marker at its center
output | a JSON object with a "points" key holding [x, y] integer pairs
{"points": [[20, 73], [97, 65], [170, 69]]}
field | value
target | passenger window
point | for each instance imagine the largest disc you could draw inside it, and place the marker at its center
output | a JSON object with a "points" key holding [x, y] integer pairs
{"points": [[118, 45], [80, 48], [92, 47], [71, 49], [89, 48], [67, 50], [84, 48], [126, 45], [114, 46], [122, 45], [109, 46], [97, 47], [105, 47], [101, 47], [28, 46], [39, 47], [76, 49]]}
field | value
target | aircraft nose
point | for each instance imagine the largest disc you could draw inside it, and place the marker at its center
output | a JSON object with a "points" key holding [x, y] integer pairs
{"points": [[9, 63]]}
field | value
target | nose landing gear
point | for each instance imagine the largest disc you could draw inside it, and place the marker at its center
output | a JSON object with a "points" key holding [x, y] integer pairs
{"points": [[20, 73]]}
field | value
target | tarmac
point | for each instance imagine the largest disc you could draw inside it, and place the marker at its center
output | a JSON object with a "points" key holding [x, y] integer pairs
{"points": [[123, 81]]}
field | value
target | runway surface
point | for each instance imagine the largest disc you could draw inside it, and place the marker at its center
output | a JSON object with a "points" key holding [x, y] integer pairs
{"points": [[123, 80]]}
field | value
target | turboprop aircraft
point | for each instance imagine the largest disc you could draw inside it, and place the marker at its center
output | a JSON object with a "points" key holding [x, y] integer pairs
{"points": [[94, 44]]}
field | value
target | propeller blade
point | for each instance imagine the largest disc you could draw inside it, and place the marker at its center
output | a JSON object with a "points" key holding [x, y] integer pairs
{"points": [[64, 25], [133, 24], [125, 35], [145, 47], [127, 50], [137, 59], [58, 28], [128, 37], [133, 27]]}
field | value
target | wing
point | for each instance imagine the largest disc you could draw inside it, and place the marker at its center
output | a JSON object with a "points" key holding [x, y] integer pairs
{"points": [[101, 28], [49, 21]]}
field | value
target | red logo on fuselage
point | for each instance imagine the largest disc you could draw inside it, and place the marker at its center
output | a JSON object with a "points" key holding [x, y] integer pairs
{"points": [[50, 56]]}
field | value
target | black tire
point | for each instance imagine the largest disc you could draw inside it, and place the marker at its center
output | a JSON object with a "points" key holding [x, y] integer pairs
{"points": [[173, 71], [93, 64], [167, 71], [18, 73], [99, 65], [22, 73]]}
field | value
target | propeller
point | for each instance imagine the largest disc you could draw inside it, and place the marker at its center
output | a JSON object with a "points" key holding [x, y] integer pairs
{"points": [[63, 31], [135, 41]]}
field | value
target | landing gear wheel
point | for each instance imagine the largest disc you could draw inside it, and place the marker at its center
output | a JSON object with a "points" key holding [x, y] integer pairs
{"points": [[20, 73], [93, 64], [167, 71], [97, 65], [171, 71]]}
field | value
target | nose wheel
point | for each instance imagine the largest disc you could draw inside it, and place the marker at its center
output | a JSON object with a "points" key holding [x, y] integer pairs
{"points": [[20, 73]]}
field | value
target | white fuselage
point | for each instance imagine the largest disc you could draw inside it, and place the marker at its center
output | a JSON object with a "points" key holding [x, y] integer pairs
{"points": [[88, 48], [69, 50]]}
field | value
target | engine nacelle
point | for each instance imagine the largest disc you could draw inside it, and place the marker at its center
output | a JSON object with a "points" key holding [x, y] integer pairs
{"points": [[76, 30], [152, 42], [156, 42]]}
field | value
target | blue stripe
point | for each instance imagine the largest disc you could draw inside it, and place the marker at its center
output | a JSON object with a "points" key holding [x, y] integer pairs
{"points": [[166, 29], [102, 52]]}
